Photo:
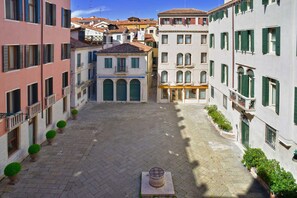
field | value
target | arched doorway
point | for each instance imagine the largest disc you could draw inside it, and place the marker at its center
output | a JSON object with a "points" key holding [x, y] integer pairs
{"points": [[135, 90], [121, 90], [107, 90]]}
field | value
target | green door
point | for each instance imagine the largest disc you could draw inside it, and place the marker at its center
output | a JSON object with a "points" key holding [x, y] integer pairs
{"points": [[108, 90], [245, 134], [121, 90], [135, 90]]}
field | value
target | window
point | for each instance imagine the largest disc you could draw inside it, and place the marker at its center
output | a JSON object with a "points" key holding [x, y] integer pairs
{"points": [[188, 39], [48, 53], [180, 39], [165, 21], [119, 37], [48, 87], [13, 101], [188, 60], [240, 80], [204, 21], [151, 31], [85, 91], [32, 94], [121, 66], [14, 9], [244, 40], [107, 62], [32, 55], [179, 77], [188, 77], [271, 93], [211, 68], [266, 2], [79, 95], [203, 77], [50, 13], [190, 21], [270, 136], [203, 57], [203, 39], [179, 59], [164, 39], [164, 77], [65, 51], [211, 41], [224, 74], [48, 116], [94, 56], [78, 79], [190, 93], [178, 21], [135, 62], [212, 91], [90, 57], [164, 94], [202, 94], [32, 11], [295, 106], [12, 57], [271, 41], [78, 60], [65, 79], [12, 141], [225, 101], [164, 57], [224, 41], [65, 104], [66, 18]]}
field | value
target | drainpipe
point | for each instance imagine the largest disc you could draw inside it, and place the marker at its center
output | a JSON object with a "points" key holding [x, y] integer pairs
{"points": [[41, 51], [233, 47]]}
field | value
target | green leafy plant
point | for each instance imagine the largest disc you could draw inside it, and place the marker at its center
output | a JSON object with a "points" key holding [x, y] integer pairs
{"points": [[34, 148], [61, 124], [253, 157], [51, 134], [12, 169], [283, 184], [74, 111], [218, 118]]}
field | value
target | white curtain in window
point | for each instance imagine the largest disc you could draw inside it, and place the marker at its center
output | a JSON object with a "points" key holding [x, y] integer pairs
{"points": [[188, 59], [179, 76], [164, 77], [179, 59], [188, 77], [203, 77]]}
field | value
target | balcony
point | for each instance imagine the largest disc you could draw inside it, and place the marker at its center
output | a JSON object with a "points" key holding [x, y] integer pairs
{"points": [[50, 100], [66, 91], [34, 109], [121, 70], [13, 121], [245, 103]]}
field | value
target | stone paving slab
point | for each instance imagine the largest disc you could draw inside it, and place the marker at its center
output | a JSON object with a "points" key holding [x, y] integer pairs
{"points": [[103, 153]]}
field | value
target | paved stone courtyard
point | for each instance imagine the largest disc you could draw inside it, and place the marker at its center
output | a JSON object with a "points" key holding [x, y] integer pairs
{"points": [[103, 153]]}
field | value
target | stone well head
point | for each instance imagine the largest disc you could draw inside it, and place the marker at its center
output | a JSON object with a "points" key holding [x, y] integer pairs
{"points": [[156, 177]]}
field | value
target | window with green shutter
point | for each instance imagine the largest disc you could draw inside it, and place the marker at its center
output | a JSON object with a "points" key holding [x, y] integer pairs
{"points": [[135, 62], [265, 2], [224, 74], [222, 40], [277, 101], [265, 40], [236, 8], [278, 41], [243, 5], [295, 107], [211, 68], [236, 40], [265, 91], [244, 40], [252, 40], [245, 85], [108, 62]]}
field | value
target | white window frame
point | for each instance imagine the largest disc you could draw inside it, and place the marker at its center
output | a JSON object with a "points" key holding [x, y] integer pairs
{"points": [[271, 41], [267, 130]]}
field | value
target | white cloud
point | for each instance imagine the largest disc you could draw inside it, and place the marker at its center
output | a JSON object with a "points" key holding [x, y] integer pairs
{"points": [[83, 13]]}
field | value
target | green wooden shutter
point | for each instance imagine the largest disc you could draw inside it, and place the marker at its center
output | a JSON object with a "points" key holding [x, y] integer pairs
{"points": [[210, 41], [245, 85], [264, 2], [243, 6], [226, 11], [236, 9], [251, 4], [265, 91], [5, 58], [243, 40], [253, 86], [252, 41], [277, 97], [222, 41], [278, 41], [265, 40], [222, 73], [227, 37], [295, 106], [227, 76], [236, 40], [211, 68]]}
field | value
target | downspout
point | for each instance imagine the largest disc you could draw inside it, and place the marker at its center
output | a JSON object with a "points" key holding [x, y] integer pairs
{"points": [[233, 47], [41, 51]]}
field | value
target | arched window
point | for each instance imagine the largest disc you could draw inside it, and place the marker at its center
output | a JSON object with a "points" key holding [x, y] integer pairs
{"points": [[250, 74], [203, 77], [164, 77], [188, 59], [240, 74], [188, 77], [179, 77], [179, 59]]}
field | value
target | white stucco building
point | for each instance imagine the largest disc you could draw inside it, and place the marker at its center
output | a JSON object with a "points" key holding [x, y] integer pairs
{"points": [[253, 76], [124, 73], [183, 56]]}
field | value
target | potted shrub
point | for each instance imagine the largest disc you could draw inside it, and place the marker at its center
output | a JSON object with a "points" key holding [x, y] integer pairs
{"points": [[295, 156], [11, 171], [50, 135], [74, 113], [61, 125], [33, 150], [253, 157]]}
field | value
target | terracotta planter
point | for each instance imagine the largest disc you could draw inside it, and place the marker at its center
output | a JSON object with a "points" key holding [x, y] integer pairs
{"points": [[61, 130], [33, 157], [272, 195], [50, 141], [12, 179]]}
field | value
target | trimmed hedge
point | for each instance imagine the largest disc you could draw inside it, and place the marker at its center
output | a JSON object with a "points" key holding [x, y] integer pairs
{"points": [[280, 182], [34, 148], [218, 118], [51, 134], [74, 111], [12, 169], [61, 124]]}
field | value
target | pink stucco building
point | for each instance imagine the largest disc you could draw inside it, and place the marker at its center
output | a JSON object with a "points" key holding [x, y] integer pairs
{"points": [[34, 75]]}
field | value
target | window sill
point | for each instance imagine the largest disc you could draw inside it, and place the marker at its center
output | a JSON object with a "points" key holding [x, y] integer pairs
{"points": [[32, 23], [270, 145], [12, 71], [32, 67], [12, 20], [48, 63]]}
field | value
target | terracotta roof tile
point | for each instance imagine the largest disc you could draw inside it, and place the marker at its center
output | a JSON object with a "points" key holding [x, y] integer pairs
{"points": [[78, 44], [133, 47], [181, 11]]}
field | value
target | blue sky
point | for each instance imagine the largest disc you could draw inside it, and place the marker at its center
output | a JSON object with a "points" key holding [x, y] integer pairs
{"points": [[120, 9]]}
